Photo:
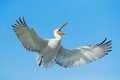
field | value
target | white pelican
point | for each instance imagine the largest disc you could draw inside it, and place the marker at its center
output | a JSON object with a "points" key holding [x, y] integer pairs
{"points": [[51, 50]]}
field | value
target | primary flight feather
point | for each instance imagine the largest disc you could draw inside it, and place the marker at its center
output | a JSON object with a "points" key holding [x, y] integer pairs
{"points": [[51, 50]]}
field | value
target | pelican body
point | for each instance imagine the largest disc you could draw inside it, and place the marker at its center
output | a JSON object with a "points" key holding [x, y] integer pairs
{"points": [[50, 51]]}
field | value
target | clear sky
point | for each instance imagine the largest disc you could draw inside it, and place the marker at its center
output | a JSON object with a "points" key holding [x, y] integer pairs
{"points": [[90, 21]]}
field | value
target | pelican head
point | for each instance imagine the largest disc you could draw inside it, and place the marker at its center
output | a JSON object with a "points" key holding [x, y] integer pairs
{"points": [[58, 32]]}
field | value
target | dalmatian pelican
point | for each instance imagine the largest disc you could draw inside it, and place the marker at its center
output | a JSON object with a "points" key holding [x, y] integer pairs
{"points": [[51, 51]]}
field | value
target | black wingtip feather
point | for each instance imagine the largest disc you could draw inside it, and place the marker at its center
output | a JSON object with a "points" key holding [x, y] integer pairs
{"points": [[24, 20], [13, 26], [20, 23], [106, 44], [109, 50], [20, 20], [103, 41]]}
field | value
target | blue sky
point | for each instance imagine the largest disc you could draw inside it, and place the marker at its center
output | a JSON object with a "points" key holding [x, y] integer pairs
{"points": [[90, 21]]}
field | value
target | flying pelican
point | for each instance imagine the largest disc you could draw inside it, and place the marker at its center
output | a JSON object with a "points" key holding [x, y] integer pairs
{"points": [[50, 51]]}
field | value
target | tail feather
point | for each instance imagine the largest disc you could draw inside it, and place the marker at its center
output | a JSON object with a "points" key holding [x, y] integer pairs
{"points": [[43, 64], [46, 65]]}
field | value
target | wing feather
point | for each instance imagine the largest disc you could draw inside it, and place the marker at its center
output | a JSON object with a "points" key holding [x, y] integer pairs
{"points": [[82, 55], [28, 37]]}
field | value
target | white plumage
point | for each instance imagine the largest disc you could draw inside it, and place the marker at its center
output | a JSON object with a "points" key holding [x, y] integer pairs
{"points": [[51, 50]]}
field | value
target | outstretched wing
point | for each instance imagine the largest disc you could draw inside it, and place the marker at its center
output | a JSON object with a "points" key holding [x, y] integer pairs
{"points": [[28, 37], [82, 55]]}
